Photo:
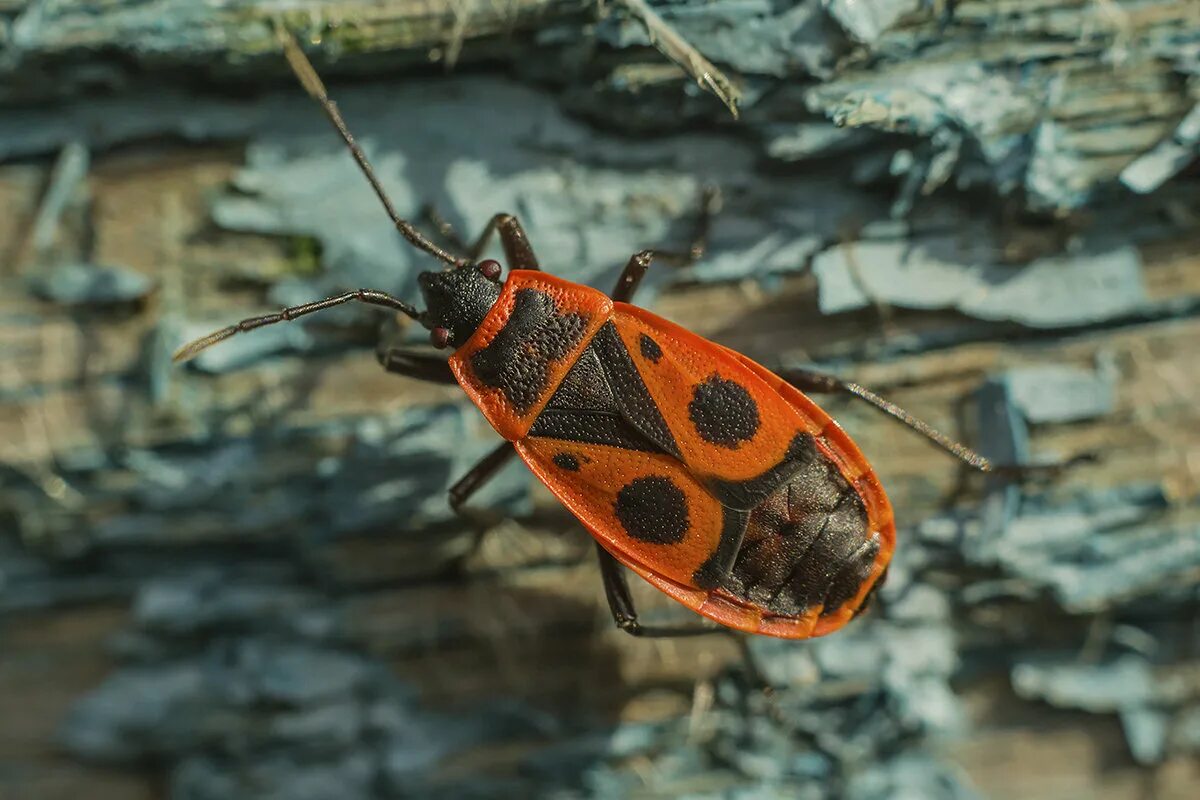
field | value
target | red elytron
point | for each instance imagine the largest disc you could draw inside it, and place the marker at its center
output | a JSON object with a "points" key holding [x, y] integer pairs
{"points": [[715, 479]]}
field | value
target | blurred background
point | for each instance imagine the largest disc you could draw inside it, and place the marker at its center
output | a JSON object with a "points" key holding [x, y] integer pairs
{"points": [[240, 578]]}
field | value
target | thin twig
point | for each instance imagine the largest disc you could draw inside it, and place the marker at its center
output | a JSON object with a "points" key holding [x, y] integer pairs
{"points": [[671, 44]]}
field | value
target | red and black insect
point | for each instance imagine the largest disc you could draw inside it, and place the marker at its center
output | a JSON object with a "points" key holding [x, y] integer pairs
{"points": [[718, 481]]}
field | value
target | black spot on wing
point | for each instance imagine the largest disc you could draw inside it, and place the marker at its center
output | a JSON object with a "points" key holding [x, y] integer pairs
{"points": [[518, 359], [650, 349], [653, 509], [723, 412], [566, 461]]}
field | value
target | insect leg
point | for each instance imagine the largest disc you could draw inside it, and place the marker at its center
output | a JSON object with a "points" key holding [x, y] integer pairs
{"points": [[478, 475], [620, 602], [624, 614], [635, 270], [812, 381], [821, 382], [466, 486], [422, 366], [445, 230], [517, 250], [632, 275]]}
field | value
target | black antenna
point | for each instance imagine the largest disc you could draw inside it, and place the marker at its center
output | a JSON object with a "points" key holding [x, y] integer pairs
{"points": [[369, 296], [312, 84]]}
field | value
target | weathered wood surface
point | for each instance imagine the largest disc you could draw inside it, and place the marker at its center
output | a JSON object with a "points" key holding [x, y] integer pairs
{"points": [[247, 567]]}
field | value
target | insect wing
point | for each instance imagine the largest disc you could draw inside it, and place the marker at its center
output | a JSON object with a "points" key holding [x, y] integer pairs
{"points": [[728, 423], [644, 508]]}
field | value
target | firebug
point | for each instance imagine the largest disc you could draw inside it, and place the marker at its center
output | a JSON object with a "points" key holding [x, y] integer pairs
{"points": [[716, 480]]}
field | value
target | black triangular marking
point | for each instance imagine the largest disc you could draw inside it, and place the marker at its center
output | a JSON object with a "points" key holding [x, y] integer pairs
{"points": [[585, 386], [589, 427], [603, 400], [630, 392]]}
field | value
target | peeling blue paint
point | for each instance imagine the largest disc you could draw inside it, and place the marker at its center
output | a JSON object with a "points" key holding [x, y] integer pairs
{"points": [[1155, 702], [1047, 393], [962, 273], [90, 284], [1151, 170], [243, 671]]}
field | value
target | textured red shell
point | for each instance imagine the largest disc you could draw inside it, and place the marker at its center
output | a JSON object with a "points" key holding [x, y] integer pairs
{"points": [[697, 468]]}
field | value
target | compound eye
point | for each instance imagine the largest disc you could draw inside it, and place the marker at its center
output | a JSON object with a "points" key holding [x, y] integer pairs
{"points": [[440, 337], [490, 269]]}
